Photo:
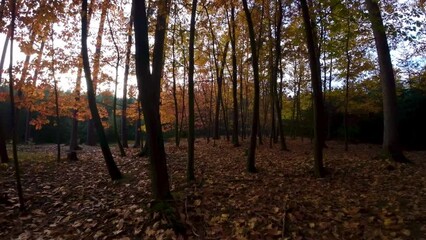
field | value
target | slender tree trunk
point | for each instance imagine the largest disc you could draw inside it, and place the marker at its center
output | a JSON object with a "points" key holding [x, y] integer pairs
{"points": [[55, 83], [241, 100], [251, 167], [277, 101], [91, 140], [124, 127], [219, 89], [4, 157], [3, 54], [235, 129], [391, 141], [318, 104], [191, 123], [72, 154], [114, 105], [348, 67], [113, 170], [149, 87], [12, 113], [175, 101], [225, 117]]}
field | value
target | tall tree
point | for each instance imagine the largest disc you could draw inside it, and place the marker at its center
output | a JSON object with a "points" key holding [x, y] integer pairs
{"points": [[234, 77], [113, 170], [124, 130], [251, 166], [149, 87], [191, 117], [176, 106], [391, 142], [276, 68], [114, 105], [13, 111], [318, 104], [91, 141], [55, 84]]}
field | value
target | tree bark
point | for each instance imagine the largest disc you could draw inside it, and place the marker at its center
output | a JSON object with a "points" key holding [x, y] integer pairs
{"points": [[318, 104], [348, 67], [114, 105], [235, 114], [55, 84], [251, 167], [124, 127], [113, 170], [4, 157], [13, 113], [391, 142], [149, 87], [91, 140], [175, 101], [191, 118], [277, 101]]}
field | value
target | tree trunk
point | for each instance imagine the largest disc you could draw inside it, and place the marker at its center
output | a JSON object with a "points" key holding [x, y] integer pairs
{"points": [[175, 101], [72, 154], [3, 54], [318, 104], [348, 67], [235, 114], [391, 144], [277, 104], [113, 170], [251, 167], [12, 113], [191, 118], [91, 140], [55, 83], [124, 127], [149, 87], [4, 157], [114, 105]]}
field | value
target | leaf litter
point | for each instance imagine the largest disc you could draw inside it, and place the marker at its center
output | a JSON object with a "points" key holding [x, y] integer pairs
{"points": [[360, 198]]}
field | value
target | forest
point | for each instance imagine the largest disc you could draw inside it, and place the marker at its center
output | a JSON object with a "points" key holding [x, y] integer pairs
{"points": [[212, 119]]}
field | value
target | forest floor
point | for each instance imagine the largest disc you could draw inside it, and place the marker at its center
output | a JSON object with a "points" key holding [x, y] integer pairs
{"points": [[361, 198]]}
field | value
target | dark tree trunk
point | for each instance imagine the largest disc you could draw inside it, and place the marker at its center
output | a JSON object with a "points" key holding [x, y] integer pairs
{"points": [[149, 87], [191, 118], [12, 113], [277, 101], [391, 144], [113, 170], [235, 116], [91, 139], [219, 77], [175, 101], [114, 105], [348, 67], [251, 167], [318, 105], [55, 83], [4, 157], [72, 154], [124, 127]]}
